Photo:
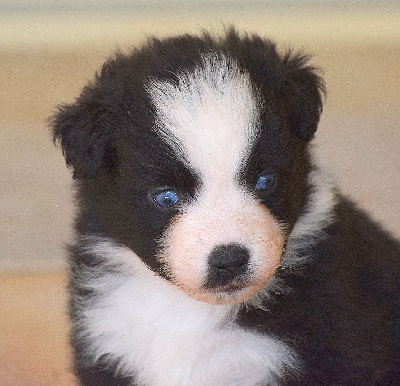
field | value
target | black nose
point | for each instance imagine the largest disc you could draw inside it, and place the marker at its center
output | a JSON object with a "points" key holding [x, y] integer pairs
{"points": [[226, 262]]}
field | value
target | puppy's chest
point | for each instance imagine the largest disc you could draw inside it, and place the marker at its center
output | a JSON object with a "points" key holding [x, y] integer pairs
{"points": [[205, 356], [162, 337]]}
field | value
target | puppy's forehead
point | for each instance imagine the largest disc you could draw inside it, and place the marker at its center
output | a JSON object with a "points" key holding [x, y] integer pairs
{"points": [[210, 117]]}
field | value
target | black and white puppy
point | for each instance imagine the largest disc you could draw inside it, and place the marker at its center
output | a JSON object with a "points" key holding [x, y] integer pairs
{"points": [[210, 249]]}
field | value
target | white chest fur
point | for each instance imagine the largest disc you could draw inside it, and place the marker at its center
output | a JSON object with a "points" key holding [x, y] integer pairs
{"points": [[163, 337]]}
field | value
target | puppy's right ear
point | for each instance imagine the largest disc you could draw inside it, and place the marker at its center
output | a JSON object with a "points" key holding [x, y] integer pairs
{"points": [[81, 131], [304, 92]]}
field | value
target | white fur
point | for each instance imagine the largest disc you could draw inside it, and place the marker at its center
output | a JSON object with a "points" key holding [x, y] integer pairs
{"points": [[210, 118], [164, 337]]}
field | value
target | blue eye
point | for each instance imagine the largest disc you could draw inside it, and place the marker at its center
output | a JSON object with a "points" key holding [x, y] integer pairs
{"points": [[166, 198], [266, 182]]}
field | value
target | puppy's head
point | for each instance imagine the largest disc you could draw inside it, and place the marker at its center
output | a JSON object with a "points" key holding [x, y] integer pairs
{"points": [[193, 153]]}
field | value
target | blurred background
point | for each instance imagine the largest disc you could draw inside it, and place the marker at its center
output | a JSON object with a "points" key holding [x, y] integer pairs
{"points": [[49, 49]]}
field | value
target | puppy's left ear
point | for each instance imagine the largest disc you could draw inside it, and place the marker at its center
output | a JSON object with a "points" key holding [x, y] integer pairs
{"points": [[304, 90], [84, 134]]}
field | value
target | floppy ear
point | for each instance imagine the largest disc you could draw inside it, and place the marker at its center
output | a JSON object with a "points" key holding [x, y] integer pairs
{"points": [[82, 132], [304, 90]]}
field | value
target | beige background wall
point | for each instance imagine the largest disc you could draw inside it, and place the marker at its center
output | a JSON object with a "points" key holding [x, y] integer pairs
{"points": [[46, 57]]}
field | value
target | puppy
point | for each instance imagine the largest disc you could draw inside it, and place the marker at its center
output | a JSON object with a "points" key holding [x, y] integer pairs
{"points": [[210, 249]]}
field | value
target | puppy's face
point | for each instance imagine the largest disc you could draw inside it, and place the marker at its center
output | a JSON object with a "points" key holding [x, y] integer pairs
{"points": [[205, 186], [221, 243]]}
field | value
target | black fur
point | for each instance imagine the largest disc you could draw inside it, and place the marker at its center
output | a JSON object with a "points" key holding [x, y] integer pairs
{"points": [[343, 311], [342, 314]]}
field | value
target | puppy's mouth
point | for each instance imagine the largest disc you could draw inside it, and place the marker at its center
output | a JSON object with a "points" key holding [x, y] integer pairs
{"points": [[235, 292], [230, 288], [231, 293]]}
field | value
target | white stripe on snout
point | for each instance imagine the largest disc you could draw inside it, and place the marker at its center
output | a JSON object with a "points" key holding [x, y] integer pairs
{"points": [[211, 115]]}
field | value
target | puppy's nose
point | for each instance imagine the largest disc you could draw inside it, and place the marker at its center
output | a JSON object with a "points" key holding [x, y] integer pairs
{"points": [[226, 262]]}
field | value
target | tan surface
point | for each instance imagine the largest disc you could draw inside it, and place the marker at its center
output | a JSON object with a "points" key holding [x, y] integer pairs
{"points": [[33, 330], [49, 61]]}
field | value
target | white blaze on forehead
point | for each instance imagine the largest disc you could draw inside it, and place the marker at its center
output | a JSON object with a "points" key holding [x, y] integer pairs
{"points": [[210, 117]]}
